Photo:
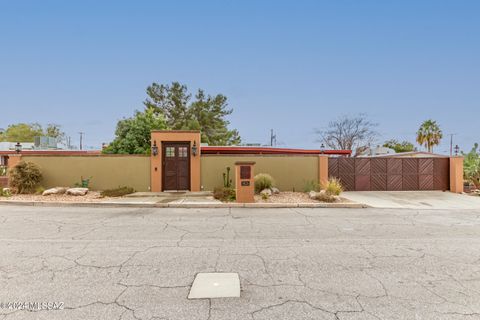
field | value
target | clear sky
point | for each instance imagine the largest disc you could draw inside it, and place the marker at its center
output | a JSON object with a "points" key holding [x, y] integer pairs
{"points": [[287, 65]]}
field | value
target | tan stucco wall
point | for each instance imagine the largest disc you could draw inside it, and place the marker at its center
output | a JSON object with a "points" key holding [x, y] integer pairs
{"points": [[107, 171], [289, 172]]}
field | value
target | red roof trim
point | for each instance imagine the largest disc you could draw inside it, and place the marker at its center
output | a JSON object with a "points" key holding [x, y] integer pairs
{"points": [[267, 150]]}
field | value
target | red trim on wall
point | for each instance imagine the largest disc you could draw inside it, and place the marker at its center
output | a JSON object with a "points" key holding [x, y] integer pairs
{"points": [[268, 150], [52, 152]]}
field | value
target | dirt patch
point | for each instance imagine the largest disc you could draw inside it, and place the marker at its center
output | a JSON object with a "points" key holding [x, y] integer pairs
{"points": [[91, 196], [291, 197]]}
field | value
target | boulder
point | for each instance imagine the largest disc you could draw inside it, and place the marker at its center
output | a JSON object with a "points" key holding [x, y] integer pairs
{"points": [[267, 192], [314, 195], [77, 191], [275, 190], [56, 190]]}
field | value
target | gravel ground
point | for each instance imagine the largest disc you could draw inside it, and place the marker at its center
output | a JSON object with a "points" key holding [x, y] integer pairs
{"points": [[91, 196], [290, 197]]}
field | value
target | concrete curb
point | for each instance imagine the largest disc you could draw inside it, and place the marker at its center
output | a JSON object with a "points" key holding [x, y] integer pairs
{"points": [[178, 205]]}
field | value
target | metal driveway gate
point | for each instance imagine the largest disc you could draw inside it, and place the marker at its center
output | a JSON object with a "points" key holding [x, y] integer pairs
{"points": [[389, 174]]}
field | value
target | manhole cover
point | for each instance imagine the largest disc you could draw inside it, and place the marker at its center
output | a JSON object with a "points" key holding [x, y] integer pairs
{"points": [[215, 285]]}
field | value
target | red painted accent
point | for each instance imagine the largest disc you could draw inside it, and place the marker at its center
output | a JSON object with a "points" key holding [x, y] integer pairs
{"points": [[268, 150], [53, 152]]}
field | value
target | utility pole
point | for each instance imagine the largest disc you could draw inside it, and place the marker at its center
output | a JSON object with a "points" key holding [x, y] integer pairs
{"points": [[451, 143], [81, 139], [273, 138]]}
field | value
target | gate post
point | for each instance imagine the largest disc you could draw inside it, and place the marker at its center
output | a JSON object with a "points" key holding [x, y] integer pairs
{"points": [[244, 183], [322, 169], [456, 174]]}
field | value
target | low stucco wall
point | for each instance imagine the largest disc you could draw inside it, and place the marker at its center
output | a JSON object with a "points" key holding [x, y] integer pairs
{"points": [[107, 171], [291, 172]]}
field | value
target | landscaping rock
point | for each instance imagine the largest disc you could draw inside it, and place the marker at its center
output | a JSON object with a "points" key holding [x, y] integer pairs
{"points": [[77, 191], [275, 190], [266, 192], [312, 194], [56, 190]]}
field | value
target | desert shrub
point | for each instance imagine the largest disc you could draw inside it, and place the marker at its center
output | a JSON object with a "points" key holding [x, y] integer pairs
{"points": [[117, 192], [224, 194], [4, 192], [84, 182], [25, 177], [263, 181], [39, 190], [325, 197], [3, 170], [333, 187], [311, 185]]}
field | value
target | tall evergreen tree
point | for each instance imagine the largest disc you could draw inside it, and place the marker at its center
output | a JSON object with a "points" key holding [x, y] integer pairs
{"points": [[205, 113]]}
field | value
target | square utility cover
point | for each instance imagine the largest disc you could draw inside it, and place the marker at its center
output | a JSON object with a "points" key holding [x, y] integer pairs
{"points": [[215, 285]]}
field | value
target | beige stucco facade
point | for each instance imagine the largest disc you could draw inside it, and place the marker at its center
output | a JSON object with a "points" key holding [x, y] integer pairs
{"points": [[291, 172], [107, 171]]}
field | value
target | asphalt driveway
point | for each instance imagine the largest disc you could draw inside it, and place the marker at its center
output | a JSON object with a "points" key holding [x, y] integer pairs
{"points": [[93, 263], [414, 199]]}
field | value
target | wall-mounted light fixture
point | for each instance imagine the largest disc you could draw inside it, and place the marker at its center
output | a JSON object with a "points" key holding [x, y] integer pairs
{"points": [[457, 148], [322, 148], [18, 147], [154, 148], [194, 148]]}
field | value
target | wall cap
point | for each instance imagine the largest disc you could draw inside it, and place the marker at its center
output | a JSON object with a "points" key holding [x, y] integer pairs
{"points": [[239, 163]]}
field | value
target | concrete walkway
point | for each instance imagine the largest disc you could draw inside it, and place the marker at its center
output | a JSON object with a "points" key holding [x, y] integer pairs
{"points": [[414, 199]]}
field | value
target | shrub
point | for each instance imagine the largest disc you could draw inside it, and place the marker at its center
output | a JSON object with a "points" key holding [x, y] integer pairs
{"points": [[263, 181], [224, 194], [25, 177], [39, 190], [117, 192], [311, 185], [84, 182], [333, 187], [325, 197], [4, 192]]}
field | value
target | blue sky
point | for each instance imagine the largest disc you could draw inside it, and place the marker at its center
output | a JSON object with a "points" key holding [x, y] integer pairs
{"points": [[287, 65]]}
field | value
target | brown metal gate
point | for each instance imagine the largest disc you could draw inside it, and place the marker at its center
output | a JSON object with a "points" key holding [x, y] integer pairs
{"points": [[390, 174]]}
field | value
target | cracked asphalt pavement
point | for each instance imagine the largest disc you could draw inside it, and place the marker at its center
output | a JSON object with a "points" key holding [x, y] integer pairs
{"points": [[127, 263]]}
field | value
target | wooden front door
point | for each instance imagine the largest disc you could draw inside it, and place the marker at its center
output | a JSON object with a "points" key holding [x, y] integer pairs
{"points": [[176, 166]]}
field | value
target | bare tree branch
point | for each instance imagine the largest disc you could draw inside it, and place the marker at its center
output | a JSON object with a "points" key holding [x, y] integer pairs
{"points": [[348, 133]]}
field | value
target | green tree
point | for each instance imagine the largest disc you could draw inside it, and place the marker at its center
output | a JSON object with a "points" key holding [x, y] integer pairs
{"points": [[132, 135], [403, 146], [429, 134], [205, 113], [55, 131], [22, 132], [471, 166]]}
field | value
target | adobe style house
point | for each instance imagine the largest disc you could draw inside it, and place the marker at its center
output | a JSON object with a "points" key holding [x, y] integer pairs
{"points": [[179, 162]]}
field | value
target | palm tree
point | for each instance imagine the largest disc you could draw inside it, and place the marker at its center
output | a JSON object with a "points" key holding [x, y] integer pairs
{"points": [[429, 134]]}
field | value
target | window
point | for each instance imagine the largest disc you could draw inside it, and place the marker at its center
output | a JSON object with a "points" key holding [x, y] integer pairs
{"points": [[170, 152], [182, 152]]}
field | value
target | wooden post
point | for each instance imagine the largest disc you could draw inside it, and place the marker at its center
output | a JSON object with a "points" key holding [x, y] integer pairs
{"points": [[456, 174], [244, 183]]}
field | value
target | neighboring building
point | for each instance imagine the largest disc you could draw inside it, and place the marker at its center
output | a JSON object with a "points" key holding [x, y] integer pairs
{"points": [[412, 154], [378, 151]]}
